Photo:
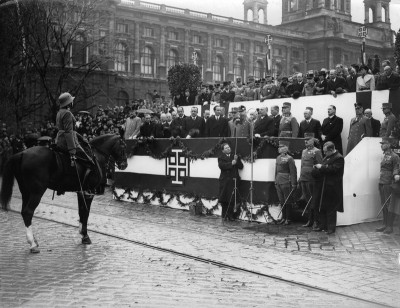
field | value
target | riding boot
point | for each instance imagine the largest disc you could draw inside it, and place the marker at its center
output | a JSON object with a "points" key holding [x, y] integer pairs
{"points": [[385, 221], [390, 220], [86, 176]]}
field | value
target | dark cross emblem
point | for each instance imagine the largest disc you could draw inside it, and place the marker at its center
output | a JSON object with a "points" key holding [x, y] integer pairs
{"points": [[177, 166], [268, 39], [362, 31]]}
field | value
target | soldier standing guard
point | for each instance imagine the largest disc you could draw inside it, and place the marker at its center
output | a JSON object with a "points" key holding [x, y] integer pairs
{"points": [[285, 180], [389, 164], [389, 122], [288, 127], [309, 157]]}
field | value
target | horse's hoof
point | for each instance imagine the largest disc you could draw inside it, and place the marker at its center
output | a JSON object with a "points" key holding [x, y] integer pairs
{"points": [[35, 250], [86, 240]]}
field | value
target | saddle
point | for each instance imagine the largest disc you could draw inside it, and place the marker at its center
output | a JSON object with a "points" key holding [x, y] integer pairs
{"points": [[65, 166]]}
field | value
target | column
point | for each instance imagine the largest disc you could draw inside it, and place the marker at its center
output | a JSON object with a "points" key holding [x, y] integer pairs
{"points": [[208, 77], [162, 69], [330, 58], [230, 75], [265, 15], [378, 12], [186, 46], [255, 13], [288, 60], [251, 59], [136, 56]]}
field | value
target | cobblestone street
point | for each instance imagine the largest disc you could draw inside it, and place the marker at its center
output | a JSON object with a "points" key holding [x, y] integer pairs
{"points": [[313, 269]]}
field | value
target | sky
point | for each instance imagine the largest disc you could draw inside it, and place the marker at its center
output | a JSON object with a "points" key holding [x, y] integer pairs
{"points": [[234, 8]]}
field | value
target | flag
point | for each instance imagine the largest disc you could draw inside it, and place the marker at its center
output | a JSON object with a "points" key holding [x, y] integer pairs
{"points": [[363, 54], [268, 61]]}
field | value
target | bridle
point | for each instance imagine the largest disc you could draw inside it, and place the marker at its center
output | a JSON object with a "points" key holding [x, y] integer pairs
{"points": [[121, 154]]}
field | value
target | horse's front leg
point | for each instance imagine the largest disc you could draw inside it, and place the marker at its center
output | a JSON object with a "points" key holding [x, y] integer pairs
{"points": [[84, 203]]}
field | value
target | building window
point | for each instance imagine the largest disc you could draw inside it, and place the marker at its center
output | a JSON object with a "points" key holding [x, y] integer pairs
{"points": [[315, 4], [277, 52], [218, 42], [239, 46], [218, 69], [173, 35], [259, 49], [196, 39], [148, 32], [328, 4], [342, 5], [122, 28], [259, 70], [296, 54], [121, 58], [146, 62], [172, 58], [78, 51], [292, 5], [102, 43], [122, 98], [238, 69]]}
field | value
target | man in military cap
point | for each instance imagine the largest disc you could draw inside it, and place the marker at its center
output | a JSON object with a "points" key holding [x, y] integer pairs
{"points": [[285, 180], [388, 122], [288, 127], [269, 91], [389, 164], [310, 125], [360, 127], [282, 93], [226, 95], [239, 126], [309, 157]]}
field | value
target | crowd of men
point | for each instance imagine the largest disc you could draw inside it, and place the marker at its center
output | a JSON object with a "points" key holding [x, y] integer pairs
{"points": [[335, 81]]}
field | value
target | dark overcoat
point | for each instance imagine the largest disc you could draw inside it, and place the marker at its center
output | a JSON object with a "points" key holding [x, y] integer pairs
{"points": [[329, 183], [332, 129], [264, 126], [313, 127], [217, 128], [228, 173]]}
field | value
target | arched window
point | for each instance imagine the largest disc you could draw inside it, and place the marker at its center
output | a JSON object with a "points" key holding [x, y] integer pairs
{"points": [[238, 69], [384, 14], [258, 70], [218, 69], [146, 62], [78, 51], [261, 16], [121, 58], [371, 15], [122, 98], [172, 58], [250, 15]]}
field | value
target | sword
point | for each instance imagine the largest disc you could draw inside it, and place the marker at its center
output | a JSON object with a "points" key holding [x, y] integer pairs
{"points": [[322, 194], [79, 180], [306, 206], [383, 206], [286, 201]]}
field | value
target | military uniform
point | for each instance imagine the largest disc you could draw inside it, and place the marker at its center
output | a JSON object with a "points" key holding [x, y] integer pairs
{"points": [[387, 126], [309, 158], [66, 137], [360, 127], [269, 91], [285, 180], [288, 127]]}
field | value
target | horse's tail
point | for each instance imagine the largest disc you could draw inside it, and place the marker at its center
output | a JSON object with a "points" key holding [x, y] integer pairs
{"points": [[8, 180]]}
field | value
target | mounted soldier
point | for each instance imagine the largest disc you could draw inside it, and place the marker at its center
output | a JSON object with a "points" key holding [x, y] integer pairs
{"points": [[68, 139]]}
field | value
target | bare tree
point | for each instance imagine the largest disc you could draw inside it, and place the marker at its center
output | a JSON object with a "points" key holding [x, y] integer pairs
{"points": [[56, 48]]}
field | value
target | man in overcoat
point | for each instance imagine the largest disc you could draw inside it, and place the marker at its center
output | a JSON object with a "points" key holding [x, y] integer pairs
{"points": [[264, 125], [193, 126], [217, 125], [310, 125], [329, 180], [332, 128], [229, 164], [360, 127]]}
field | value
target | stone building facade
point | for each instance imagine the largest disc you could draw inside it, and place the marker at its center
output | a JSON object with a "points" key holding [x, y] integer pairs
{"points": [[314, 34]]}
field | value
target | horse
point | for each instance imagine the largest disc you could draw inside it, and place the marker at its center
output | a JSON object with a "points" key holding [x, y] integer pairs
{"points": [[40, 167]]}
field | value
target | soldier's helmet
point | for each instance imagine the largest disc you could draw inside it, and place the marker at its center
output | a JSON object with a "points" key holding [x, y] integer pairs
{"points": [[65, 99]]}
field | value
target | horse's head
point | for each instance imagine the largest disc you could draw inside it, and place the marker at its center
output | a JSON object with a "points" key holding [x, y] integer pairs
{"points": [[119, 154], [112, 145]]}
